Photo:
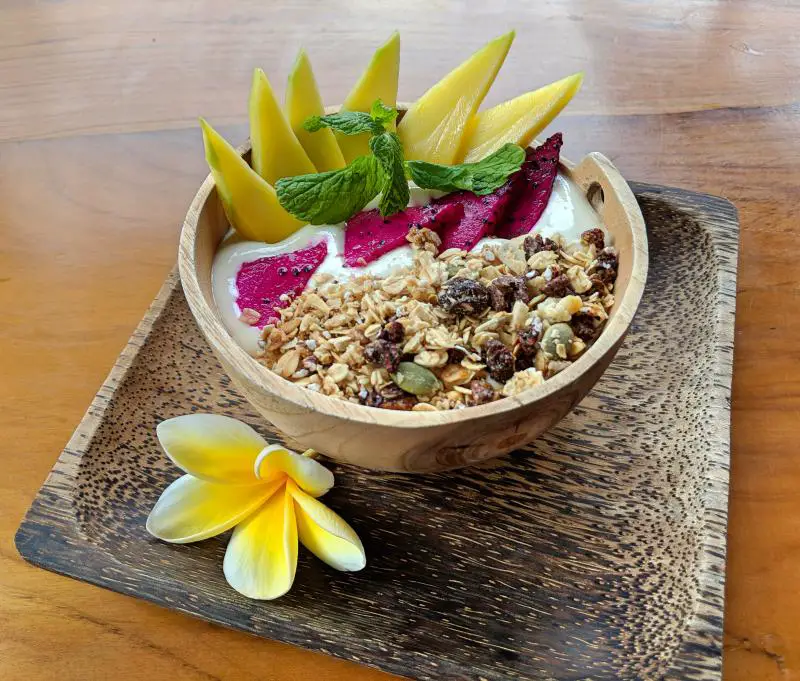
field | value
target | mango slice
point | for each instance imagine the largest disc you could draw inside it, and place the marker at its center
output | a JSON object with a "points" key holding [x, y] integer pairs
{"points": [[303, 100], [518, 120], [276, 151], [379, 81], [433, 128], [250, 202]]}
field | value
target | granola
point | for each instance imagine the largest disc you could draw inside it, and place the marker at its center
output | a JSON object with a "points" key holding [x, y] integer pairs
{"points": [[454, 329]]}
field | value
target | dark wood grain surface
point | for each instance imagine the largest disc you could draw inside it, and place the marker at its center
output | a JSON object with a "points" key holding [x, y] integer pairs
{"points": [[100, 155], [598, 552]]}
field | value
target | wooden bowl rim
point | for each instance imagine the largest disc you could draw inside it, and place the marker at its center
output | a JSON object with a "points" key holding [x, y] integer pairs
{"points": [[224, 344]]}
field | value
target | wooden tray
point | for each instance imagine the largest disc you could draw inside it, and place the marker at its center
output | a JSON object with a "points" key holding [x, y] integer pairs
{"points": [[598, 553]]}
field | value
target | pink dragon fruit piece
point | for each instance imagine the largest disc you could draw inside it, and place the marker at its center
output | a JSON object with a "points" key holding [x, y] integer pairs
{"points": [[536, 178], [368, 235], [482, 214], [261, 283]]}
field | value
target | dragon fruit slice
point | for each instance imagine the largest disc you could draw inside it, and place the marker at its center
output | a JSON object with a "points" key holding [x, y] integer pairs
{"points": [[368, 235], [481, 215], [536, 177], [261, 283]]}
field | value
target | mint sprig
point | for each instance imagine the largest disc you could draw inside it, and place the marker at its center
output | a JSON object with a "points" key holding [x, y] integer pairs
{"points": [[380, 113], [481, 178], [388, 149], [337, 195], [354, 122], [345, 122], [334, 196]]}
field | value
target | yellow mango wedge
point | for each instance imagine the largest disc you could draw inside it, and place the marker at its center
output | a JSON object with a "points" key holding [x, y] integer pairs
{"points": [[276, 151], [518, 120], [433, 128], [303, 100], [250, 202], [379, 81]]}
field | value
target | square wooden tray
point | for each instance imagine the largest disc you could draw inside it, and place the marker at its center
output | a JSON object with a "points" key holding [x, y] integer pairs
{"points": [[598, 552]]}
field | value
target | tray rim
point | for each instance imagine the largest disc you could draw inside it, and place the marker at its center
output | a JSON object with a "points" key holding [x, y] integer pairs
{"points": [[699, 655]]}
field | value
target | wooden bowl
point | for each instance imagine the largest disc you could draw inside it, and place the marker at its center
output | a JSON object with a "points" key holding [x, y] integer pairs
{"points": [[418, 442]]}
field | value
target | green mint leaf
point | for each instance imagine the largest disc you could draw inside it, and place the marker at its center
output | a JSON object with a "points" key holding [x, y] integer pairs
{"points": [[334, 196], [481, 177], [380, 113], [388, 150], [345, 122]]}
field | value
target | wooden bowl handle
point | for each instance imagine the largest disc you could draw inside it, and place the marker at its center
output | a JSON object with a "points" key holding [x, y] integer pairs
{"points": [[612, 198]]}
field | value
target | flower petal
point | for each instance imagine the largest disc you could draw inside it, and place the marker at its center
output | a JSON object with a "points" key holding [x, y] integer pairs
{"points": [[326, 534], [191, 509], [262, 555], [212, 447], [311, 476]]}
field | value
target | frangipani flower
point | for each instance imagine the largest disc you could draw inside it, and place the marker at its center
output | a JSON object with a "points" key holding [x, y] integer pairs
{"points": [[235, 478]]}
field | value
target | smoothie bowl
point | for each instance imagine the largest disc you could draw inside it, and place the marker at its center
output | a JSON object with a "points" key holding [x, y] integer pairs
{"points": [[411, 287]]}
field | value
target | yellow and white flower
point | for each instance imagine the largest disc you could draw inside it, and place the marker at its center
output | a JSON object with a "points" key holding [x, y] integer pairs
{"points": [[235, 478]]}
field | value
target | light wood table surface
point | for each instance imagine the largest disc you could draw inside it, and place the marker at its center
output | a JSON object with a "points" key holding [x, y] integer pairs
{"points": [[100, 154]]}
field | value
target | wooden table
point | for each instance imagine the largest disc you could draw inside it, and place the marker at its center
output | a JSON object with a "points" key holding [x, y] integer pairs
{"points": [[100, 153]]}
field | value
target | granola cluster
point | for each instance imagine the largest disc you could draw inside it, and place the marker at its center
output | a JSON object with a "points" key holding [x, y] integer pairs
{"points": [[454, 329]]}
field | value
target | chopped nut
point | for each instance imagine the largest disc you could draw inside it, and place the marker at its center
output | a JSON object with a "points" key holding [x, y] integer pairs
{"points": [[373, 331], [379, 377], [519, 315], [413, 344], [424, 239], [455, 374], [555, 310], [338, 372], [394, 286], [576, 347], [578, 279], [431, 358], [541, 260], [522, 380], [250, 316], [335, 322], [481, 338], [313, 301], [471, 365], [273, 338], [288, 363]]}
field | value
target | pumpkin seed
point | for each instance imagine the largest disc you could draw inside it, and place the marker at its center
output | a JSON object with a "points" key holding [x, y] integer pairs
{"points": [[557, 334], [414, 379]]}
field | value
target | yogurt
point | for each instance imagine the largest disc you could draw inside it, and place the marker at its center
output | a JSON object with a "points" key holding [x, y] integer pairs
{"points": [[568, 214]]}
